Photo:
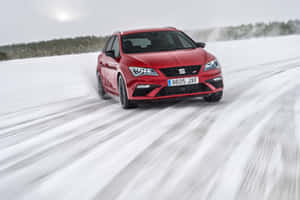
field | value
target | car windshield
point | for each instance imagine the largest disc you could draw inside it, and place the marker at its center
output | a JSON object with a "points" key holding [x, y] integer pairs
{"points": [[156, 41]]}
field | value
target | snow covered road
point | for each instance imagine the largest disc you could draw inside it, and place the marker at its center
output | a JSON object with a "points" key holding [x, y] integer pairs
{"points": [[58, 140]]}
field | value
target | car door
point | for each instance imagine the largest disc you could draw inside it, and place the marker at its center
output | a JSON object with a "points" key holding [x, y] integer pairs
{"points": [[113, 64], [104, 64]]}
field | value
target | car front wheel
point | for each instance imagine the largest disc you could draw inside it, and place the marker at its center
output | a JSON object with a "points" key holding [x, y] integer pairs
{"points": [[125, 102]]}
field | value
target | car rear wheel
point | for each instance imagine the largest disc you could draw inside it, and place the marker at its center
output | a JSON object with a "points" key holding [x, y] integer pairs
{"points": [[125, 102], [215, 97], [101, 91]]}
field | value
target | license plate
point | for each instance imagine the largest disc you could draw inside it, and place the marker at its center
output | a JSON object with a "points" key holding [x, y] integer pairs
{"points": [[183, 81]]}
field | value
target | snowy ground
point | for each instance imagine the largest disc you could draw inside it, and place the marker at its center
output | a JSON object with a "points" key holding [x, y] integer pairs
{"points": [[59, 141]]}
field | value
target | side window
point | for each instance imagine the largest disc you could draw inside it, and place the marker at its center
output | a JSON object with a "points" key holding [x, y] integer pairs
{"points": [[186, 43], [108, 44], [171, 40], [116, 46]]}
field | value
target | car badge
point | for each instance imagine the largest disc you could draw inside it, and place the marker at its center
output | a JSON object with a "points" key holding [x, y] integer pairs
{"points": [[181, 71]]}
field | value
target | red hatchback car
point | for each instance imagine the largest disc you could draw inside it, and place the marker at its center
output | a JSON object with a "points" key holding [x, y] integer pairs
{"points": [[154, 64]]}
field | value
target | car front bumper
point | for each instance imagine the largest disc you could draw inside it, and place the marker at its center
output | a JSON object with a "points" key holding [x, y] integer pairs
{"points": [[156, 88]]}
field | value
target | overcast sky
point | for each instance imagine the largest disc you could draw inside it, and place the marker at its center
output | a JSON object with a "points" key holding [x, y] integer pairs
{"points": [[34, 20]]}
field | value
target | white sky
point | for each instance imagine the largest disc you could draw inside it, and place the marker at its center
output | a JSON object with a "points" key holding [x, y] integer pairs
{"points": [[35, 20]]}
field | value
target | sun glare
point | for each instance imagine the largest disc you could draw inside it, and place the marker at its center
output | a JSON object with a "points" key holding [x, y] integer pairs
{"points": [[63, 16]]}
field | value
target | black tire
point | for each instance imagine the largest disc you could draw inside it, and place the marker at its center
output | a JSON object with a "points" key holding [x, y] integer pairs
{"points": [[125, 102], [215, 97], [101, 91]]}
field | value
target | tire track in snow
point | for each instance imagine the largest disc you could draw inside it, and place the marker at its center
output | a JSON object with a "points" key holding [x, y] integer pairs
{"points": [[106, 194], [215, 158], [244, 82], [58, 145], [268, 154], [27, 147], [117, 180], [273, 171], [42, 115], [239, 157], [53, 104], [13, 118], [20, 135], [126, 153], [161, 154], [39, 172], [132, 120], [196, 187], [264, 65]]}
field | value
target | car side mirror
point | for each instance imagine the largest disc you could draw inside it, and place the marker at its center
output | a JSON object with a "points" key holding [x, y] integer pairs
{"points": [[201, 44], [110, 53]]}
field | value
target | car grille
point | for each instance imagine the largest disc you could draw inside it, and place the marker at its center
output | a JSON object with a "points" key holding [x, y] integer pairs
{"points": [[181, 71], [166, 91]]}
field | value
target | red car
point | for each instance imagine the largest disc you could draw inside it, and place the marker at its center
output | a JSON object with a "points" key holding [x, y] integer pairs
{"points": [[154, 64]]}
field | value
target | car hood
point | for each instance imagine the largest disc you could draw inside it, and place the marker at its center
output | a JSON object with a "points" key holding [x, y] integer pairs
{"points": [[169, 58]]}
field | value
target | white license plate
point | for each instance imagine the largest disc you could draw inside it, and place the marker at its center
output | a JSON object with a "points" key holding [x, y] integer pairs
{"points": [[183, 81]]}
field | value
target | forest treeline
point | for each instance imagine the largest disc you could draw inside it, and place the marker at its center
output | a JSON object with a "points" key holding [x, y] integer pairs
{"points": [[247, 31], [53, 47], [96, 43]]}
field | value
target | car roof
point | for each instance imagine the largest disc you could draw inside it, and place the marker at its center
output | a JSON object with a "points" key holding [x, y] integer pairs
{"points": [[147, 30]]}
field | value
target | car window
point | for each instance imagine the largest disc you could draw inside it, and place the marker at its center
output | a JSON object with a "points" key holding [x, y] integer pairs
{"points": [[116, 46], [109, 44], [142, 42], [186, 43], [155, 41]]}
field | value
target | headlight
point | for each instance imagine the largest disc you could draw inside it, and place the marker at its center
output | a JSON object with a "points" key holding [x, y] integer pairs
{"points": [[212, 65], [140, 71]]}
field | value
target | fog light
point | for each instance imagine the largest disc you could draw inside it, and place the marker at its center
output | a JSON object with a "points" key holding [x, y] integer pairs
{"points": [[143, 86]]}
